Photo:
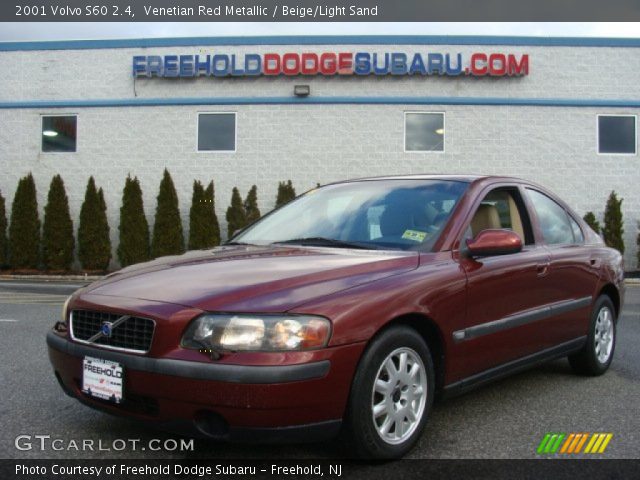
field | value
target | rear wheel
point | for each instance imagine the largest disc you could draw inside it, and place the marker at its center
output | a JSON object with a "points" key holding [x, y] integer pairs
{"points": [[596, 356], [391, 395]]}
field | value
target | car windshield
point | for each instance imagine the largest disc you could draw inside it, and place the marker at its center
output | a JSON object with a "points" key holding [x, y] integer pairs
{"points": [[372, 214]]}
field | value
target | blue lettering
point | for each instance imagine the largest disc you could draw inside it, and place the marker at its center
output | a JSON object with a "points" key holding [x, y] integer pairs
{"points": [[236, 72], [362, 63], [398, 64], [186, 66], [252, 64], [171, 66], [417, 65], [154, 66], [221, 65], [381, 70], [139, 66], [203, 67], [451, 70], [435, 63]]}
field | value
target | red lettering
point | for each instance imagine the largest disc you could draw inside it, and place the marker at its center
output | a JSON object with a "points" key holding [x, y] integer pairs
{"points": [[345, 63], [328, 64], [271, 64], [514, 68], [309, 64], [476, 59], [497, 65], [291, 64]]}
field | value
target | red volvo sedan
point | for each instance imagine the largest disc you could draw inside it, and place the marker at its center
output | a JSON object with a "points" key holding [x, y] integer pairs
{"points": [[347, 310]]}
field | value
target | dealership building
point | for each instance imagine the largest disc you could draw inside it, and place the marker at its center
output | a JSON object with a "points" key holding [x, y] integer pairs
{"points": [[259, 110]]}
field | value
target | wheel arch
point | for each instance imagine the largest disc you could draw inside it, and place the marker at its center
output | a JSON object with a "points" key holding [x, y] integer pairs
{"points": [[432, 335], [612, 292]]}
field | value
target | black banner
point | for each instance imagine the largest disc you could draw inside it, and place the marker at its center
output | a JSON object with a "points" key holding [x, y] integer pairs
{"points": [[316, 469], [318, 10]]}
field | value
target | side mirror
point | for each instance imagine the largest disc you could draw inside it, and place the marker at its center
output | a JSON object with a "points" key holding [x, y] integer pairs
{"points": [[494, 242]]}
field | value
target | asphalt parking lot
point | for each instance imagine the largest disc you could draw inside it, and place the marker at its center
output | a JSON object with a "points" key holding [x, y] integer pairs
{"points": [[506, 419]]}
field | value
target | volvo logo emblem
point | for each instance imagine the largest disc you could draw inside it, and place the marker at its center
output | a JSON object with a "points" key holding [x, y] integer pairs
{"points": [[107, 329]]}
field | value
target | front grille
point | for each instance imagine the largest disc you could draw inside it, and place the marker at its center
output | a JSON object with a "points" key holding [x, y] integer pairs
{"points": [[134, 333]]}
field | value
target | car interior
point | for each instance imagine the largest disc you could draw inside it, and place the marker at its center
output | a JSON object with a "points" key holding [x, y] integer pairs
{"points": [[498, 209]]}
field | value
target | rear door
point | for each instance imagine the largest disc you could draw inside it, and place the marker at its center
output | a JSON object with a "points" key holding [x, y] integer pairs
{"points": [[573, 272]]}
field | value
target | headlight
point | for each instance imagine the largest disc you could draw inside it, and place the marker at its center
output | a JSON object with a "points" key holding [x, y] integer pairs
{"points": [[269, 333]]}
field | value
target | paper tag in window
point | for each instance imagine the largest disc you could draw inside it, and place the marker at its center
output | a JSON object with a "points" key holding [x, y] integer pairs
{"points": [[414, 235]]}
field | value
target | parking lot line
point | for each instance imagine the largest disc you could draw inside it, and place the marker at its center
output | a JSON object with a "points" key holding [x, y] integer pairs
{"points": [[28, 298]]}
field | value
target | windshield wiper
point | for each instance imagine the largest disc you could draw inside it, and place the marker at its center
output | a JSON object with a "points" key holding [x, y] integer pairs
{"points": [[235, 243], [326, 242]]}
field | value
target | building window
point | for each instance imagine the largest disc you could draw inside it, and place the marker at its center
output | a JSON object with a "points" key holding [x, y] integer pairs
{"points": [[217, 132], [423, 132], [617, 134], [59, 133]]}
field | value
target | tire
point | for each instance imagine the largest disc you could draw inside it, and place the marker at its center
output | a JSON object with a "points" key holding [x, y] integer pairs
{"points": [[400, 407], [596, 356]]}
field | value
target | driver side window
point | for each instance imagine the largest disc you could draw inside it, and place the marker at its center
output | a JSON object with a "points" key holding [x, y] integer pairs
{"points": [[501, 209]]}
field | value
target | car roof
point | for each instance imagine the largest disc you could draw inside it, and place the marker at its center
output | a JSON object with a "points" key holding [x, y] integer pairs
{"points": [[469, 178]]}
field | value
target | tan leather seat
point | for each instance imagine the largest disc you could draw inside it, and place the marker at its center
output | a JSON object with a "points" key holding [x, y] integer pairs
{"points": [[516, 221], [486, 218]]}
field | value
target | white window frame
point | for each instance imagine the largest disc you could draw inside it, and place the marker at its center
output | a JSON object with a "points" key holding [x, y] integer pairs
{"points": [[635, 130], [444, 135], [42, 115], [235, 132]]}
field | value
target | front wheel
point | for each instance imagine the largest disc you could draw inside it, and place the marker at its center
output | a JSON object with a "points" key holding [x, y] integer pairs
{"points": [[596, 356], [391, 395]]}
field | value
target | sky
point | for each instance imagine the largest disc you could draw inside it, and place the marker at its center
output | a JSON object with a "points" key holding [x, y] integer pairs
{"points": [[82, 30]]}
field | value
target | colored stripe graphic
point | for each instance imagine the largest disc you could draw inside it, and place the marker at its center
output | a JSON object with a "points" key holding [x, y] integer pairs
{"points": [[573, 443]]}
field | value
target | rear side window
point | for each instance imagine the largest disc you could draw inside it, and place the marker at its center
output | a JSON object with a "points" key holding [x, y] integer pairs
{"points": [[578, 237], [553, 219]]}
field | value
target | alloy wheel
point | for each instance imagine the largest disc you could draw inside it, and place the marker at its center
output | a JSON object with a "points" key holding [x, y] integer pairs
{"points": [[399, 395]]}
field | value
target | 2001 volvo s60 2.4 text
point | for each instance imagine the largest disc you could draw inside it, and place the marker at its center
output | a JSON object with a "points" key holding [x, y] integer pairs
{"points": [[346, 310]]}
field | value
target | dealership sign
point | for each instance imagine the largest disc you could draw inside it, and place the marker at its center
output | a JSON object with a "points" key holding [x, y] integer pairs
{"points": [[331, 63]]}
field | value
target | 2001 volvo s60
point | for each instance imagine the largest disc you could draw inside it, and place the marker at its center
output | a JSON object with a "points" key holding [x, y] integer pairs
{"points": [[347, 309]]}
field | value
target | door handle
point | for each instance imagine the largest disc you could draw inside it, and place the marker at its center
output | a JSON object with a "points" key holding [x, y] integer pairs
{"points": [[542, 269]]}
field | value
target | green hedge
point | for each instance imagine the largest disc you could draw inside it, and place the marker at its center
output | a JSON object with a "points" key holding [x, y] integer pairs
{"points": [[168, 238], [204, 230], [24, 230], [94, 245], [236, 215], [252, 212], [613, 229], [57, 229], [134, 246], [3, 233], [286, 193]]}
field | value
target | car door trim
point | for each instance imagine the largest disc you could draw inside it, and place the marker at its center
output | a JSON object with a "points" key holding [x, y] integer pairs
{"points": [[521, 318], [519, 364]]}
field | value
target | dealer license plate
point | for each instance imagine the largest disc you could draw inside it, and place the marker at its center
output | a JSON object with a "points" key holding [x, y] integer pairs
{"points": [[102, 379]]}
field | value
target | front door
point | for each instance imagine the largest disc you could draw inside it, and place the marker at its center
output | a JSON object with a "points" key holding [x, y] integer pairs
{"points": [[506, 294]]}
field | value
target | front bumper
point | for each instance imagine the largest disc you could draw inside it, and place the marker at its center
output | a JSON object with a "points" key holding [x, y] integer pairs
{"points": [[279, 402]]}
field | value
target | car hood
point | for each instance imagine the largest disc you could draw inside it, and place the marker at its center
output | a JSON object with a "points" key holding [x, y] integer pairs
{"points": [[252, 278]]}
